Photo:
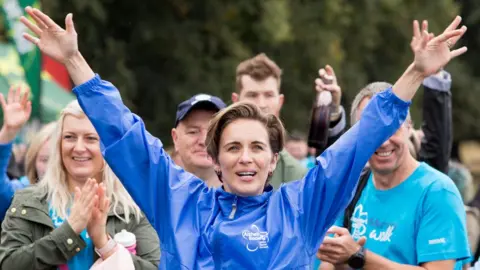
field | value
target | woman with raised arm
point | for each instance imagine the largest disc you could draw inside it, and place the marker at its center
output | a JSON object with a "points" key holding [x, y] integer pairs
{"points": [[243, 224], [16, 111]]}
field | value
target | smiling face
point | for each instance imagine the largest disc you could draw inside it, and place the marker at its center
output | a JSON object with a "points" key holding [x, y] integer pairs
{"points": [[80, 149], [189, 139], [245, 157], [391, 154]]}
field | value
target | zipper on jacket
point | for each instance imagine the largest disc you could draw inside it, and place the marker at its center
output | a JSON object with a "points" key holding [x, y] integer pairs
{"points": [[234, 208]]}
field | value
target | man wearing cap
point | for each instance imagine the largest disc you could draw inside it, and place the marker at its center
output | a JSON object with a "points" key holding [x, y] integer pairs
{"points": [[191, 125]]}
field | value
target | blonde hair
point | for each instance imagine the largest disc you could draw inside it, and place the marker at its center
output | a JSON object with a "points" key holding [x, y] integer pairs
{"points": [[34, 147], [55, 183]]}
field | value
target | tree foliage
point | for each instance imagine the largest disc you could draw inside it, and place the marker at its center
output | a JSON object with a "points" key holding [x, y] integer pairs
{"points": [[159, 53]]}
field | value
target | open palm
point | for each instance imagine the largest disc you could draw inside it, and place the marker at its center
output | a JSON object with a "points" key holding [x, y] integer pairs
{"points": [[433, 53], [16, 109], [56, 42], [96, 226]]}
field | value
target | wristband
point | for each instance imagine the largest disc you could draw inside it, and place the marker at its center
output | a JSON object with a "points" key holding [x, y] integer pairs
{"points": [[335, 115], [111, 244]]}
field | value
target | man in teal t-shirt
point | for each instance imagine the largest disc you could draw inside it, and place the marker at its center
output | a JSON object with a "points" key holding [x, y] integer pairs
{"points": [[405, 223], [408, 212]]}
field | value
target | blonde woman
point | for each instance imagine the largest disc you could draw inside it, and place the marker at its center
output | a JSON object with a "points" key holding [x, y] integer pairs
{"points": [[48, 228]]}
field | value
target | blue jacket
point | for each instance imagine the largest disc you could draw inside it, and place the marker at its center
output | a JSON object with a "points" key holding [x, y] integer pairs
{"points": [[204, 228], [7, 186]]}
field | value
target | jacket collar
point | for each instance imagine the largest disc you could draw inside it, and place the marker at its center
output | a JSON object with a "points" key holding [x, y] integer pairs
{"points": [[232, 205]]}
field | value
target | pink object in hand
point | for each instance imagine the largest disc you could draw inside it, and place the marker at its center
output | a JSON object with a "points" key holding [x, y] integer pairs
{"points": [[128, 240], [119, 260], [63, 267], [132, 249]]}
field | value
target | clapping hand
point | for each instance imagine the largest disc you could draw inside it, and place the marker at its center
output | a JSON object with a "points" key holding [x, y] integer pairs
{"points": [[84, 202], [97, 225]]}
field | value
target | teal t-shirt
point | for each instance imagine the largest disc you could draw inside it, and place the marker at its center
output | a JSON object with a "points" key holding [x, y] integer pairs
{"points": [[83, 259], [420, 220]]}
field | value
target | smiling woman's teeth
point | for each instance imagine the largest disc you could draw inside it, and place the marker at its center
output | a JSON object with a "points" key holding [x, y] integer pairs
{"points": [[384, 154], [80, 159], [246, 173]]}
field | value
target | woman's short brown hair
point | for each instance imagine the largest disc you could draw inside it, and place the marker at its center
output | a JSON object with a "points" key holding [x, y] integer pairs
{"points": [[244, 110]]}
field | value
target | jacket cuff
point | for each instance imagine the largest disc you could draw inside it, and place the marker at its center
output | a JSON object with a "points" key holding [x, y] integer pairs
{"points": [[67, 240], [441, 81], [340, 126], [394, 99], [87, 86]]}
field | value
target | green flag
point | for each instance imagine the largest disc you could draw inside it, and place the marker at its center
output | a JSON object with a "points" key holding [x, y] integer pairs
{"points": [[54, 97], [29, 54]]}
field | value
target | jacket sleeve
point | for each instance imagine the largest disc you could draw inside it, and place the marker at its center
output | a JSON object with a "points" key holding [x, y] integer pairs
{"points": [[148, 246], [18, 250], [5, 155], [337, 129], [326, 190], [6, 187], [437, 122], [165, 192]]}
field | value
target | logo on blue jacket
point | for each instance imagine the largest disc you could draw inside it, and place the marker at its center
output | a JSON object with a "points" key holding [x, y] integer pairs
{"points": [[255, 238]]}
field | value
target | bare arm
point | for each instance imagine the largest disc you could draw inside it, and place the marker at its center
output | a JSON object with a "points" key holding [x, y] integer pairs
{"points": [[408, 84], [79, 70], [329, 266], [326, 266]]}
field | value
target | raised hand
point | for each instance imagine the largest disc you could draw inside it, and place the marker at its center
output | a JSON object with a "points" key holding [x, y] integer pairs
{"points": [[16, 112], [16, 109], [433, 53], [97, 226], [327, 81], [84, 202], [454, 25], [58, 43], [417, 34]]}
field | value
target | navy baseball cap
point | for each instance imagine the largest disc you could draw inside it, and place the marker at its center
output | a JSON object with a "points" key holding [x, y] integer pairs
{"points": [[199, 101]]}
